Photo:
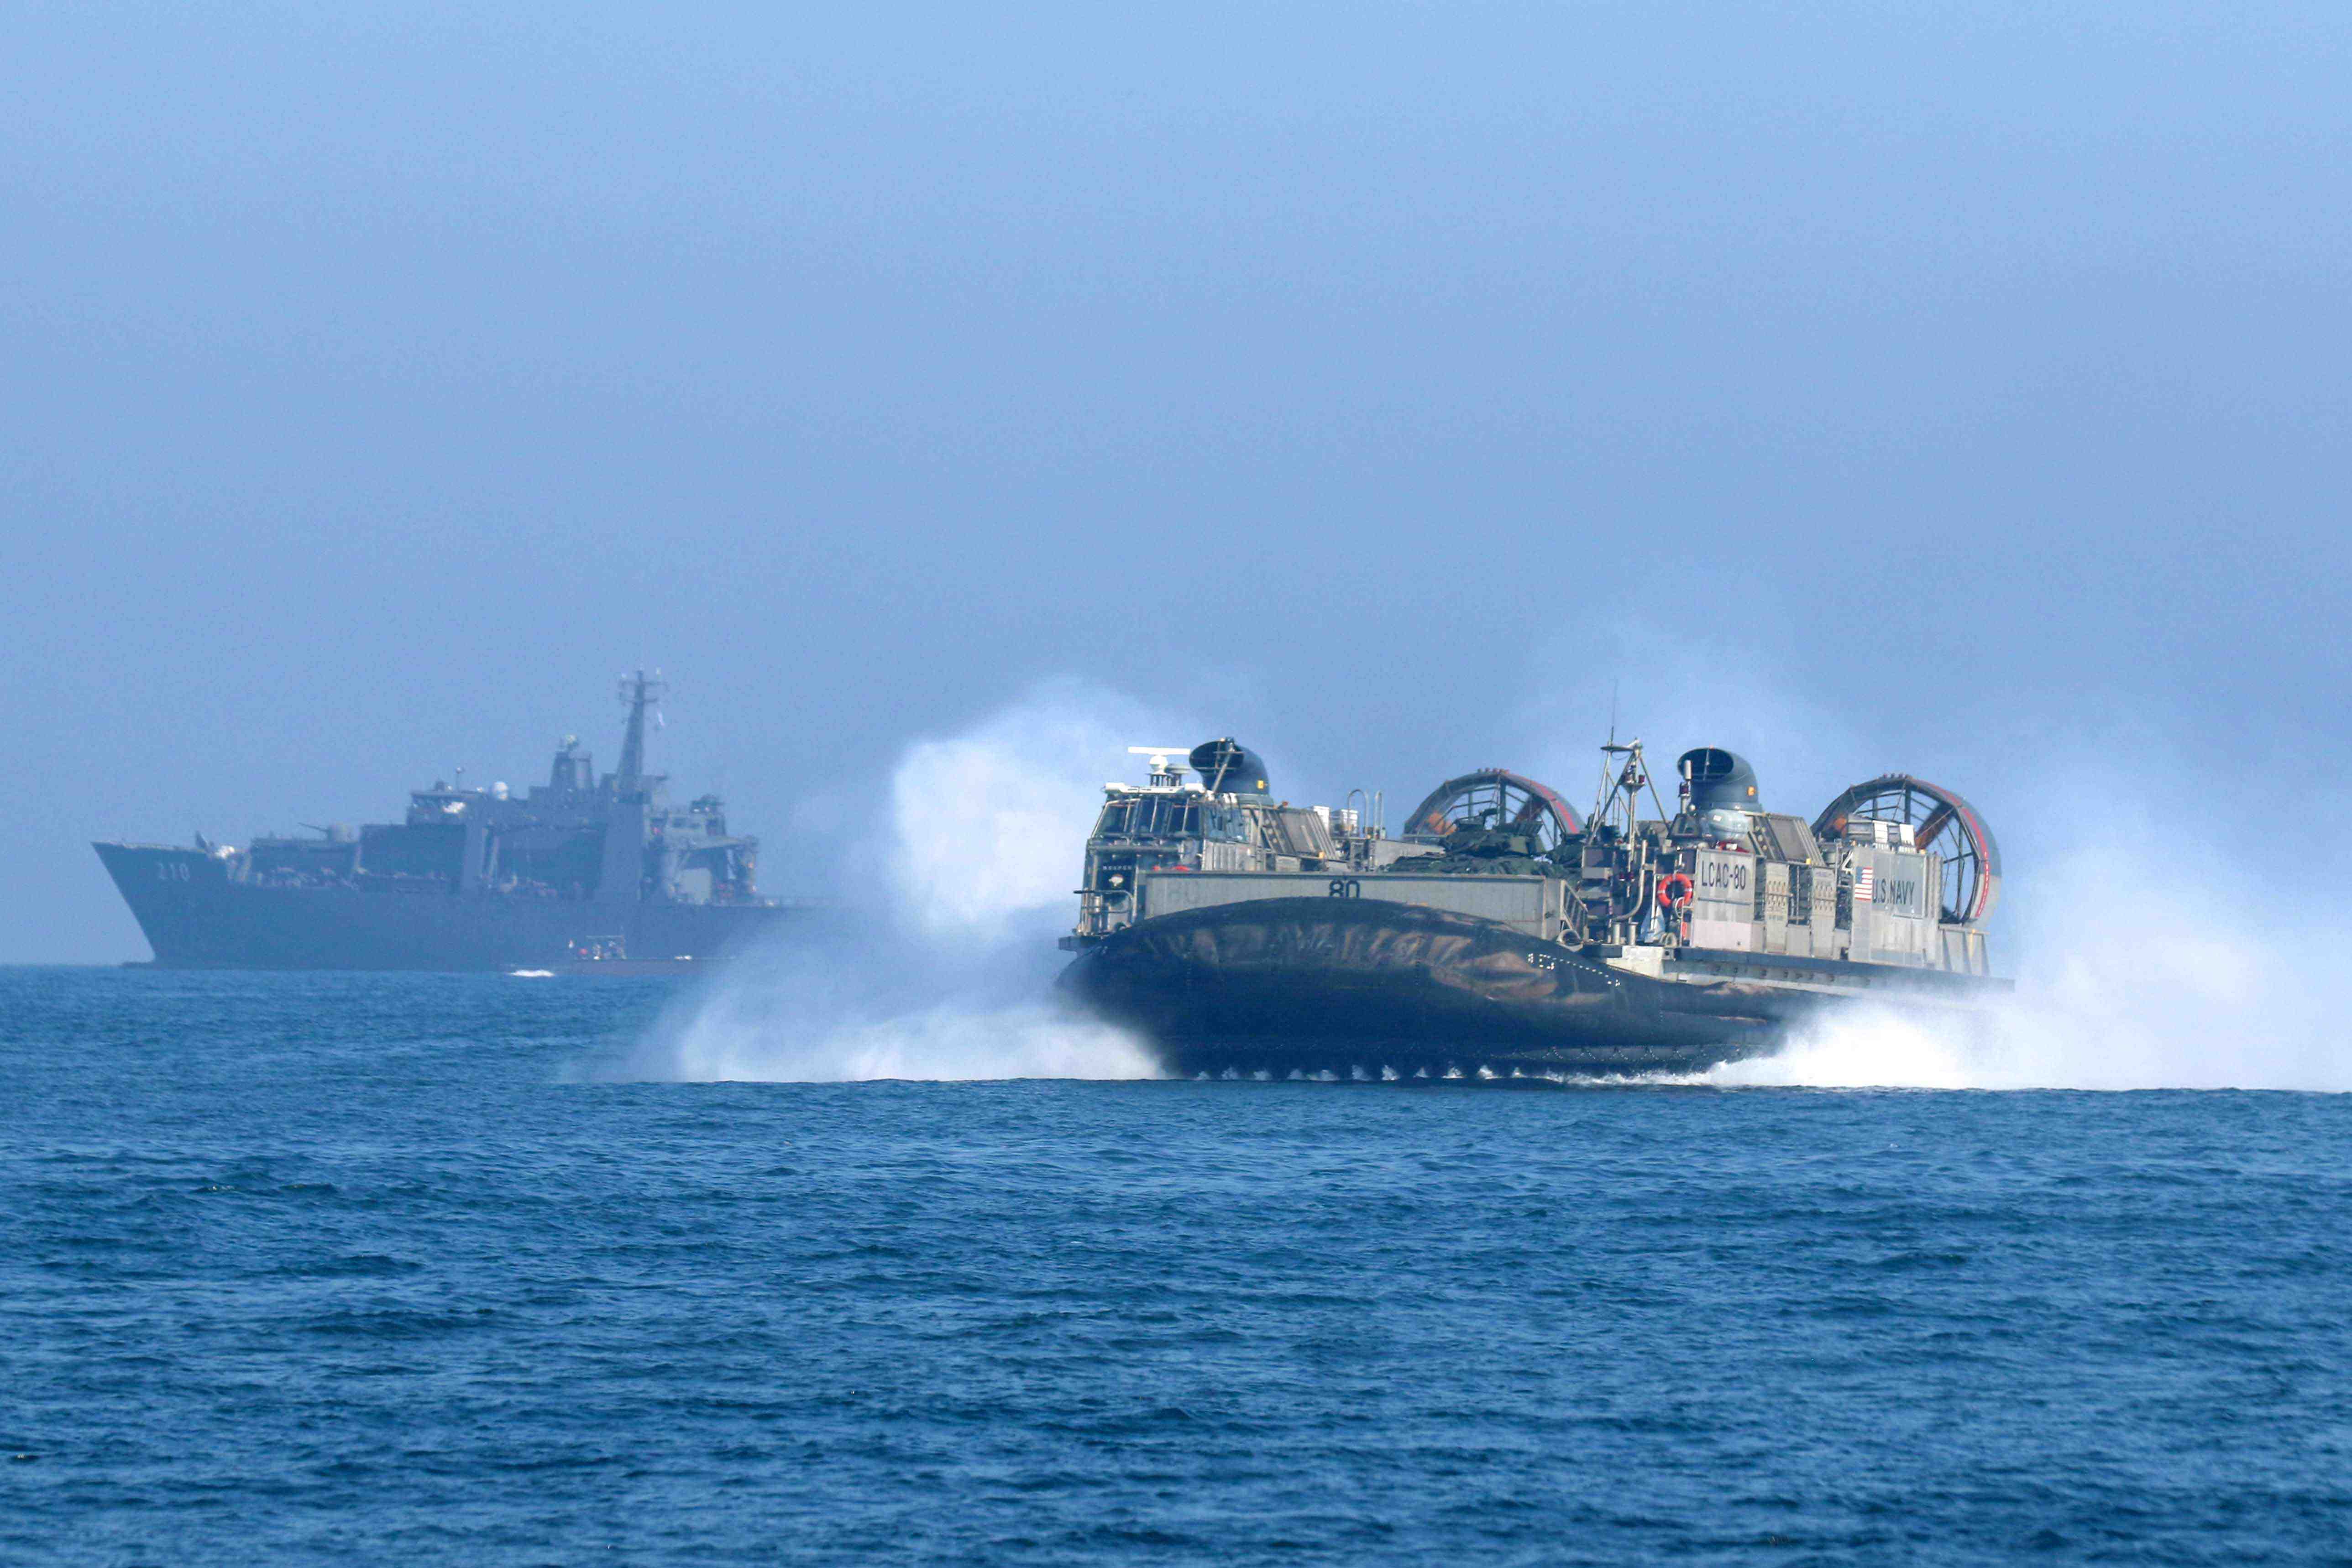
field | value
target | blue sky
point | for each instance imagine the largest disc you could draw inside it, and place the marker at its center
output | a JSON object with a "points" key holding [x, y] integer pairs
{"points": [[1384, 385]]}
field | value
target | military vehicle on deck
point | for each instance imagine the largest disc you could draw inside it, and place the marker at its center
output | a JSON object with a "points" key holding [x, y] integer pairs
{"points": [[1502, 934], [583, 873]]}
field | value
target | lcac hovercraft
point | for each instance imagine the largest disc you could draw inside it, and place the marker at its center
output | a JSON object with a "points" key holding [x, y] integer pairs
{"points": [[1501, 935]]}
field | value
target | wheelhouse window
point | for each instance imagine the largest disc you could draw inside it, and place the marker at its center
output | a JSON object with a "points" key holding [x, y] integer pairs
{"points": [[1225, 824], [1150, 817]]}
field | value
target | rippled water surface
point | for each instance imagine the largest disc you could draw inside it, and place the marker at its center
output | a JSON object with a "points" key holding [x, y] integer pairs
{"points": [[359, 1267]]}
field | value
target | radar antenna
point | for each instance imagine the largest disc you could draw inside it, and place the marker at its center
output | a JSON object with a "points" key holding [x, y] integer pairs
{"points": [[1164, 775]]}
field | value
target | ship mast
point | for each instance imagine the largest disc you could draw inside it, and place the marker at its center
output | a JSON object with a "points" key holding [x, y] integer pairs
{"points": [[640, 694]]}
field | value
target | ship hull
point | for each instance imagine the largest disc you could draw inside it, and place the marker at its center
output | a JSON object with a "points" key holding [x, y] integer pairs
{"points": [[196, 916], [1365, 989]]}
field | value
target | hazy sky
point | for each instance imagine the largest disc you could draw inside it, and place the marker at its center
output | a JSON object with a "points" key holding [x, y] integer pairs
{"points": [[1868, 386]]}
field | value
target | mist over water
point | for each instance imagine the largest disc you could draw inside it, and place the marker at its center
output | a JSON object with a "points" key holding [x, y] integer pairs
{"points": [[788, 1028], [2132, 973], [987, 827], [943, 966]]}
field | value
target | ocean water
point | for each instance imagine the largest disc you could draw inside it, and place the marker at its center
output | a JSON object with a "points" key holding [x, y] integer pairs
{"points": [[375, 1268]]}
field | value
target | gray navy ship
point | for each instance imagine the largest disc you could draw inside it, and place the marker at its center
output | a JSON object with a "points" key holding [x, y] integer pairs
{"points": [[1501, 935], [583, 873]]}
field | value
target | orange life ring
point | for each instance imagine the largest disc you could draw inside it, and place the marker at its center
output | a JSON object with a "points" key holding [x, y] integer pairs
{"points": [[1674, 891]]}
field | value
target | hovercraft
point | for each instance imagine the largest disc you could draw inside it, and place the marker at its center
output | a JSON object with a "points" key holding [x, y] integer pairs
{"points": [[1502, 934]]}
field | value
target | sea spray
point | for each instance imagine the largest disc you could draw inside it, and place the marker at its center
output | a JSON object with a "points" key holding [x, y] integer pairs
{"points": [[2134, 974], [729, 1041], [989, 826], [947, 973]]}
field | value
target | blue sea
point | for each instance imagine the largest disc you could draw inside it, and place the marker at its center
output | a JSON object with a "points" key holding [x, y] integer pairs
{"points": [[345, 1269]]}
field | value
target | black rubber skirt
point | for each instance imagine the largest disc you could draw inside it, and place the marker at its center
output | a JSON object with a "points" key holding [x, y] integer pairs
{"points": [[1364, 987]]}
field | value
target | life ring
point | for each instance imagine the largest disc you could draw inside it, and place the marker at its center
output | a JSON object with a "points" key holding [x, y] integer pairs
{"points": [[1674, 891]]}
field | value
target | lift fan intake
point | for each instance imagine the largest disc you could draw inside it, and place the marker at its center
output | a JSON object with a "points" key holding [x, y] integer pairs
{"points": [[1497, 798], [1943, 824]]}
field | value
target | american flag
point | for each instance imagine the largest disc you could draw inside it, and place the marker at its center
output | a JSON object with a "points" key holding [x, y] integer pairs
{"points": [[1863, 880]]}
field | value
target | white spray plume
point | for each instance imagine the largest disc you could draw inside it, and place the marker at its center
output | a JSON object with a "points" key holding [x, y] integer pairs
{"points": [[810, 1016], [981, 854], [990, 825], [2141, 965]]}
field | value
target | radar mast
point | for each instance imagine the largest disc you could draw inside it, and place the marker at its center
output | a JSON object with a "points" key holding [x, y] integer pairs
{"points": [[640, 694]]}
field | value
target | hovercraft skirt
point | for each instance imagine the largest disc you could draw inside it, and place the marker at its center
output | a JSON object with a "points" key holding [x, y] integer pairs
{"points": [[1365, 988]]}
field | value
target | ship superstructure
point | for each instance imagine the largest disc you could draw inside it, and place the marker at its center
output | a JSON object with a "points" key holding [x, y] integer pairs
{"points": [[1503, 931], [582, 869]]}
